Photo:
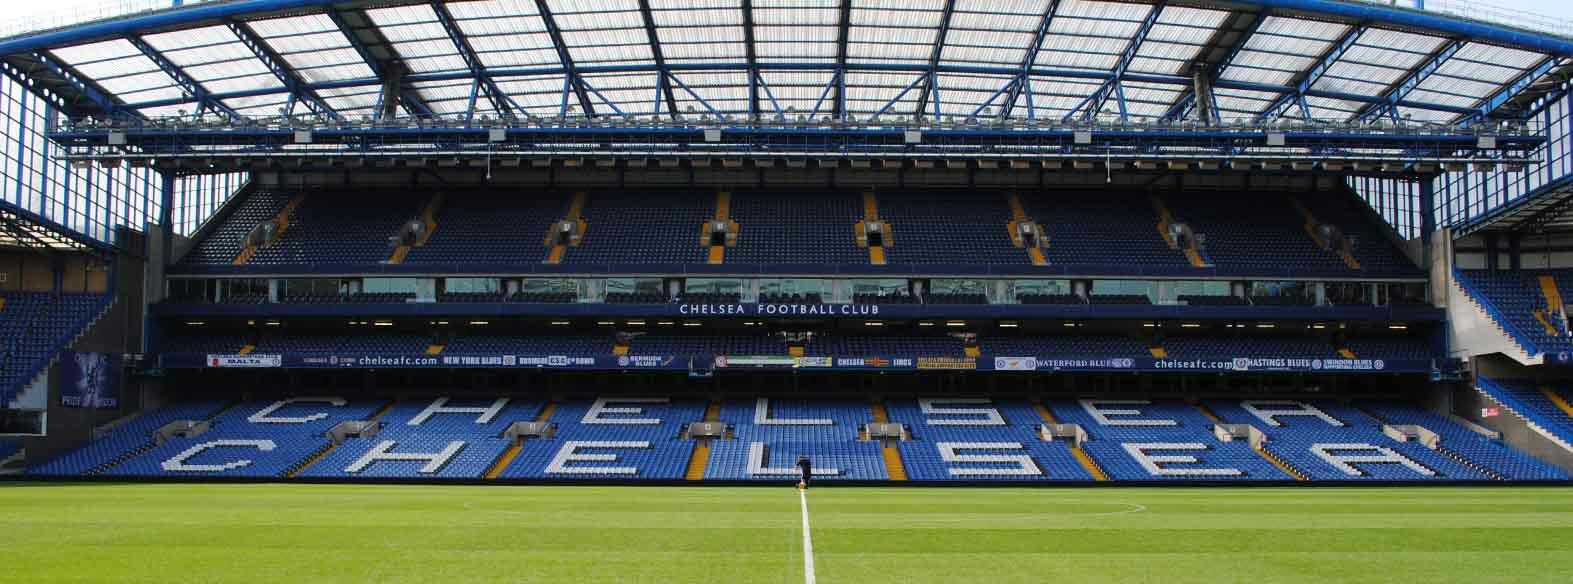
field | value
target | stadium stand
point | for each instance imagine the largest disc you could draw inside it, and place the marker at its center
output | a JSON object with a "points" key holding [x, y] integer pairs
{"points": [[1093, 233], [621, 438], [1332, 441], [1517, 298], [1141, 440], [969, 439], [944, 439], [1536, 402], [771, 433], [34, 327]]}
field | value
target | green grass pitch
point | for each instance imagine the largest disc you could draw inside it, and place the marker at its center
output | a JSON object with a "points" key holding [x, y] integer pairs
{"points": [[440, 534]]}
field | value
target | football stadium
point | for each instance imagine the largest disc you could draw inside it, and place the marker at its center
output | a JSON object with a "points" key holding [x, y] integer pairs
{"points": [[786, 291]]}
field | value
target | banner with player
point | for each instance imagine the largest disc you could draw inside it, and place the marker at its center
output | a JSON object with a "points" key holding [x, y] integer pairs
{"points": [[89, 380]]}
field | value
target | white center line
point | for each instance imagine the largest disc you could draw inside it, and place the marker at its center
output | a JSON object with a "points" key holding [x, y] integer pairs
{"points": [[808, 542]]}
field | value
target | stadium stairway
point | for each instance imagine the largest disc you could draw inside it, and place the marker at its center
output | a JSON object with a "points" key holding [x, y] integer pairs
{"points": [[428, 220], [575, 214], [1310, 226], [1020, 223], [889, 451], [1193, 254], [1087, 463], [282, 220], [701, 457], [871, 220], [513, 450], [707, 232], [331, 446]]}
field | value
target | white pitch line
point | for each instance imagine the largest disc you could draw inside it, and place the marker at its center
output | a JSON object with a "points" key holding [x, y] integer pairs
{"points": [[808, 542]]}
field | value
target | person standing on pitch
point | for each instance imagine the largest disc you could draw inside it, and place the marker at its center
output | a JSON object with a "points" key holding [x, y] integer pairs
{"points": [[807, 468]]}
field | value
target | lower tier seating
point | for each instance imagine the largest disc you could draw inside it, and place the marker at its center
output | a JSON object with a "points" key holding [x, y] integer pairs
{"points": [[645, 437]]}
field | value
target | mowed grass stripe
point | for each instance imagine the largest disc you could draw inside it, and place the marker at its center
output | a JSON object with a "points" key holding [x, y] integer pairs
{"points": [[425, 534]]}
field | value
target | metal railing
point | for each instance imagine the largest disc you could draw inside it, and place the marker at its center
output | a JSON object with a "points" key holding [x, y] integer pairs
{"points": [[216, 123]]}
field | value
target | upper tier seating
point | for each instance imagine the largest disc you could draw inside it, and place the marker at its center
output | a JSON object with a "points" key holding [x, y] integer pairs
{"points": [[643, 227], [34, 327], [342, 228], [796, 228], [1090, 233], [1097, 230], [224, 242], [952, 228], [485, 227]]}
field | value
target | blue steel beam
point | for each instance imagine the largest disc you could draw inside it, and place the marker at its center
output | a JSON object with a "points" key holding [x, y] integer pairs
{"points": [[1410, 81], [407, 97], [281, 70], [931, 85], [1296, 98], [85, 88], [1187, 101], [660, 58], [198, 93], [880, 67], [569, 71], [1115, 85], [1490, 104], [483, 81], [1022, 81]]}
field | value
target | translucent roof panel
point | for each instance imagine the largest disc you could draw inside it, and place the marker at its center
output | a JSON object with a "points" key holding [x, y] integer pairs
{"points": [[123, 71], [794, 90], [985, 33], [961, 95], [314, 47], [797, 31], [540, 95], [1090, 35], [1282, 49], [725, 91], [419, 38], [506, 33], [1377, 61], [1177, 37], [700, 31], [452, 98], [633, 93], [216, 59], [869, 92], [893, 31], [1052, 97], [352, 102], [603, 32], [1474, 73], [1142, 100], [1239, 104]]}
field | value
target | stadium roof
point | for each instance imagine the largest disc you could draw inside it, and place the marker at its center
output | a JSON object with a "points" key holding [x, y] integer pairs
{"points": [[1322, 60]]}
